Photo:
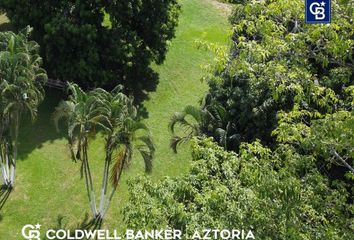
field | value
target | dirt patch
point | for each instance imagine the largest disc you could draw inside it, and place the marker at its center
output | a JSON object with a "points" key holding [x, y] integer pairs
{"points": [[225, 8]]}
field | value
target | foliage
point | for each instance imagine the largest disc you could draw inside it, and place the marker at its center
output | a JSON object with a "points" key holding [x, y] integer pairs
{"points": [[290, 85], [278, 63], [79, 46], [277, 194], [113, 113], [45, 159], [329, 138], [124, 133], [234, 1], [21, 91]]}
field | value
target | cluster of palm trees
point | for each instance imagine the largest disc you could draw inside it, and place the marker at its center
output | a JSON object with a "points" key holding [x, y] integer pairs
{"points": [[86, 113], [21, 90], [113, 114]]}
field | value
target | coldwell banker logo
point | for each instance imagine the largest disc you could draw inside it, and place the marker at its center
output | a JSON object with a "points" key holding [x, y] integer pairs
{"points": [[31, 232], [318, 11]]}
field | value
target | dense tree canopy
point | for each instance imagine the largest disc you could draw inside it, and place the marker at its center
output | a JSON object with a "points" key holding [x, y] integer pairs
{"points": [[276, 194], [278, 62], [282, 100], [99, 43]]}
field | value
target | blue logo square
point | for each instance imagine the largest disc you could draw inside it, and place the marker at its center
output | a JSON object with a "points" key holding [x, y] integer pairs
{"points": [[318, 11]]}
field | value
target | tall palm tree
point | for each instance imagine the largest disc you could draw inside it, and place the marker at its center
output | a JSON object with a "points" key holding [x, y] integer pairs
{"points": [[114, 113], [82, 116], [21, 90], [124, 133]]}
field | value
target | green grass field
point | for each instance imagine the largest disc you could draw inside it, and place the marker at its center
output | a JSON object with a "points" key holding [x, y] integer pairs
{"points": [[48, 183]]}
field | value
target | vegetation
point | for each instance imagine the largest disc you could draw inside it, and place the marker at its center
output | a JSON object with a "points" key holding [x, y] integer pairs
{"points": [[49, 186], [21, 89], [276, 194], [272, 140], [115, 113], [282, 100], [279, 69], [79, 46]]}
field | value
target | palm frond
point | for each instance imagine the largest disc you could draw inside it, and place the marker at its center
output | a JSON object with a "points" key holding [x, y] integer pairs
{"points": [[177, 118], [176, 141], [63, 110], [147, 159], [193, 112], [120, 160]]}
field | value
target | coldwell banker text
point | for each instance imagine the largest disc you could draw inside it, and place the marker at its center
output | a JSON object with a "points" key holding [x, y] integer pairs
{"points": [[31, 232]]}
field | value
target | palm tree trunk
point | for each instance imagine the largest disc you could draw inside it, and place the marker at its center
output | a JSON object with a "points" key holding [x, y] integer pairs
{"points": [[88, 177], [7, 164], [105, 181], [14, 156], [4, 166], [115, 188], [3, 169]]}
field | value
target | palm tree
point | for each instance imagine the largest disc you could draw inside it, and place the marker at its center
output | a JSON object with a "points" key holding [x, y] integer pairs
{"points": [[124, 133], [114, 113], [21, 89], [209, 119], [190, 119], [82, 116]]}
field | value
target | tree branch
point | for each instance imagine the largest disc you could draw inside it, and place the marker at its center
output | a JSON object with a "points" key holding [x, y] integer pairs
{"points": [[334, 152]]}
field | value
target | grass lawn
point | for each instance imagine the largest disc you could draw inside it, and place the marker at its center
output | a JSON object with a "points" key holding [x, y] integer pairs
{"points": [[3, 18], [48, 183]]}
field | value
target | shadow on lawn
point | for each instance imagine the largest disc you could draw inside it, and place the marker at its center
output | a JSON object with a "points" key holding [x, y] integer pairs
{"points": [[4, 195], [33, 134], [6, 27], [85, 224]]}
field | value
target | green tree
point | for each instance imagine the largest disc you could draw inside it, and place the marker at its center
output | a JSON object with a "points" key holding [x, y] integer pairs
{"points": [[210, 119], [279, 63], [113, 113], [21, 89], [124, 133], [82, 116], [277, 194], [99, 43]]}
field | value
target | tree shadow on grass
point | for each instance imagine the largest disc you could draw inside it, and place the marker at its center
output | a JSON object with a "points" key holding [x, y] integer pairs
{"points": [[6, 27], [86, 224], [4, 195], [33, 134]]}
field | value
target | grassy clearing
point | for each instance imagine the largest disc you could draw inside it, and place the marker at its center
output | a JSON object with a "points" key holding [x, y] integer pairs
{"points": [[48, 182]]}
